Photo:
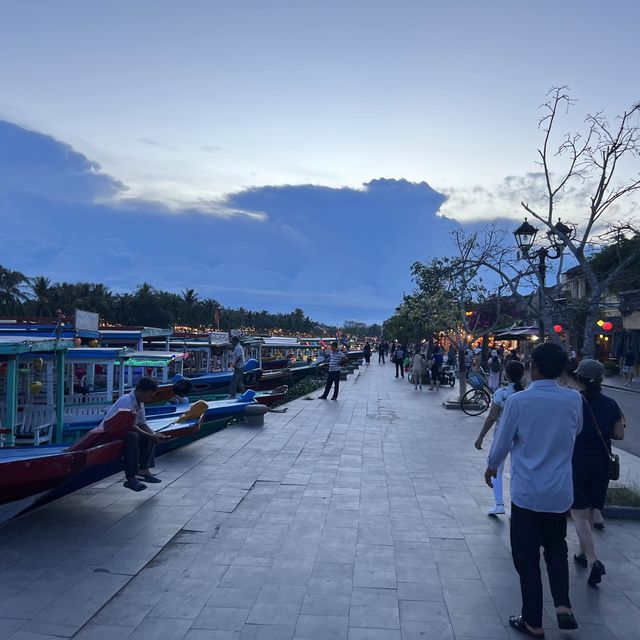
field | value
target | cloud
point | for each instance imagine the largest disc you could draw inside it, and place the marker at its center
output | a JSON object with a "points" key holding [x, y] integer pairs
{"points": [[210, 148], [37, 164], [503, 200], [336, 252]]}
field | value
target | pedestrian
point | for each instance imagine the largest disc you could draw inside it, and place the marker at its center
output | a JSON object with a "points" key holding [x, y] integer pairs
{"points": [[514, 373], [436, 367], [392, 352], [495, 369], [367, 352], [237, 364], [451, 356], [468, 362], [398, 359], [418, 366], [602, 422], [539, 427], [336, 358], [382, 347], [628, 365], [139, 442]]}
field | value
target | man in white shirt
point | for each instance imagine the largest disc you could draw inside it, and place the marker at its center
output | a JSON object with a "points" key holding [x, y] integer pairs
{"points": [[237, 363], [539, 428], [138, 450]]}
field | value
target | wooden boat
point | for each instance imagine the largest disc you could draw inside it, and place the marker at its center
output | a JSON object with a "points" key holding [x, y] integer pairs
{"points": [[33, 476]]}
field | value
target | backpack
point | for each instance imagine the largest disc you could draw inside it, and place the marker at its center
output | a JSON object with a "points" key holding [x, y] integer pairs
{"points": [[494, 366]]}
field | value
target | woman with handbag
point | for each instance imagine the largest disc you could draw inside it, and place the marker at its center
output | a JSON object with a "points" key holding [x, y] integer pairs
{"points": [[593, 463]]}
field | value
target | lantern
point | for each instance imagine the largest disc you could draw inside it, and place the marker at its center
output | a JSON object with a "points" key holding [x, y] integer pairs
{"points": [[35, 387], [607, 326], [93, 343], [77, 342], [38, 363], [600, 323], [557, 328]]}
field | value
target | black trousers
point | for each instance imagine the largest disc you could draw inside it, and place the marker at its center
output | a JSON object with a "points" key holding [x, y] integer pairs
{"points": [[531, 530], [380, 357], [139, 453], [400, 366], [333, 377]]}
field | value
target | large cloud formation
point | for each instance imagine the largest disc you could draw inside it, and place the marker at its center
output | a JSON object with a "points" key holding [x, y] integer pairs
{"points": [[337, 253]]}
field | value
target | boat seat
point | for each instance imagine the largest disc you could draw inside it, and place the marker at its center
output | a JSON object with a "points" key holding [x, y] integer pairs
{"points": [[36, 426]]}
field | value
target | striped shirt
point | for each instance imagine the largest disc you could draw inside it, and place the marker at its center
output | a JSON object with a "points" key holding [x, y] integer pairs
{"points": [[335, 360]]}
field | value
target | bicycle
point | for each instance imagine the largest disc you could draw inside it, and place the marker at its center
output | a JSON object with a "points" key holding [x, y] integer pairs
{"points": [[478, 398]]}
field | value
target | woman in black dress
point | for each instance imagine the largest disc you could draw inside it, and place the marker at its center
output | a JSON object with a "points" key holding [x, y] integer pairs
{"points": [[602, 421]]}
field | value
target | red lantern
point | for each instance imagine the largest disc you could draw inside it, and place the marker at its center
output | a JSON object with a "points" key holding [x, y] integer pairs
{"points": [[607, 326], [557, 328]]}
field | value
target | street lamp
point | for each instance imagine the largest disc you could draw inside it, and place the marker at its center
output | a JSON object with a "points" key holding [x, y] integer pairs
{"points": [[558, 237]]}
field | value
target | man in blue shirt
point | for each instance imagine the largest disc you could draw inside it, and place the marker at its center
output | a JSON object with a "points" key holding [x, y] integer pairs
{"points": [[539, 428]]}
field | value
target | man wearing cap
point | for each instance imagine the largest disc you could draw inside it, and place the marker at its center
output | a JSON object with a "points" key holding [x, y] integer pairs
{"points": [[539, 427]]}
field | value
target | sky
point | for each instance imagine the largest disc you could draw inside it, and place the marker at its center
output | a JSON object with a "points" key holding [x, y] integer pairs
{"points": [[283, 153]]}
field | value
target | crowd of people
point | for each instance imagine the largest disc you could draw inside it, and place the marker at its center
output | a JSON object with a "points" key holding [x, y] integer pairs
{"points": [[558, 430]]}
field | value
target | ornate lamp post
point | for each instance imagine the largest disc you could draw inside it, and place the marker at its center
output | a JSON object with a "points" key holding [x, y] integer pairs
{"points": [[557, 237]]}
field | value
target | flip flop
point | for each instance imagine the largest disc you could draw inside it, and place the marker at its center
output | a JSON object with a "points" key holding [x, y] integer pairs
{"points": [[150, 479], [134, 485], [518, 623]]}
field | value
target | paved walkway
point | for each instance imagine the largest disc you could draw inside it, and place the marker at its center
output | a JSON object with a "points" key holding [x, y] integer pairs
{"points": [[357, 519]]}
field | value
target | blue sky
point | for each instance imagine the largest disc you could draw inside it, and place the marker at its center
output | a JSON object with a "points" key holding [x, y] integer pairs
{"points": [[258, 123]]}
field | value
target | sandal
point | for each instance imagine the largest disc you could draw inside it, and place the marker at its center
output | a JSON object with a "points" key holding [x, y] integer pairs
{"points": [[518, 623], [566, 620], [581, 559]]}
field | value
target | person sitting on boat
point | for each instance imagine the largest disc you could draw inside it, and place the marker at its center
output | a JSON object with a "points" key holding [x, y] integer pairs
{"points": [[138, 450], [180, 390], [237, 363]]}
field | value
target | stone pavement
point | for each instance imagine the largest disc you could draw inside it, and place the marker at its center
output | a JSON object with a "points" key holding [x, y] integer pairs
{"points": [[357, 519]]}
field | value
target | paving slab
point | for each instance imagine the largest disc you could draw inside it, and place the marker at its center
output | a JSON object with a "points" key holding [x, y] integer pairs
{"points": [[359, 519]]}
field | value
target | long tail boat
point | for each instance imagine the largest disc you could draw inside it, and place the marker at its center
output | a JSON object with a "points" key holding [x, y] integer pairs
{"points": [[33, 476]]}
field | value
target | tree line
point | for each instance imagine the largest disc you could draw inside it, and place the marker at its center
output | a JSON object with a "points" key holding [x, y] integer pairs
{"points": [[40, 297]]}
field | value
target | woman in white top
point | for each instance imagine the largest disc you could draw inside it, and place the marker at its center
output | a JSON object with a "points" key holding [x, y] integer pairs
{"points": [[514, 372]]}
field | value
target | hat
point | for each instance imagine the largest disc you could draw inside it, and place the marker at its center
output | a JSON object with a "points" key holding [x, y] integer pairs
{"points": [[590, 370]]}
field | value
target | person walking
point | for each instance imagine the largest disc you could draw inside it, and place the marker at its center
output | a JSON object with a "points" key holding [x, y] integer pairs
{"points": [[237, 364], [495, 369], [603, 421], [336, 358], [628, 366], [514, 372], [398, 359], [539, 427], [367, 352], [418, 367], [436, 367], [139, 442], [382, 349]]}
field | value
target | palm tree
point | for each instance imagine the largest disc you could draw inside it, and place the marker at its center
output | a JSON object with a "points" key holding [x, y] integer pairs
{"points": [[13, 286], [43, 291]]}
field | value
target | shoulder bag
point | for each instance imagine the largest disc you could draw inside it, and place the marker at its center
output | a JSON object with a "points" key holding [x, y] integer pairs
{"points": [[614, 458]]}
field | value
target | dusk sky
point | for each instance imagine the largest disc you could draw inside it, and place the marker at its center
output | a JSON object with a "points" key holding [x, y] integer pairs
{"points": [[275, 154]]}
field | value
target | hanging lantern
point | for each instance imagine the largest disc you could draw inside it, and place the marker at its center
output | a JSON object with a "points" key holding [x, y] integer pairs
{"points": [[35, 387], [600, 323], [607, 326], [38, 363], [93, 343], [557, 328]]}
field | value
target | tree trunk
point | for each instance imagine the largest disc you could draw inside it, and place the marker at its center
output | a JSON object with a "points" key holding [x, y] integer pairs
{"points": [[589, 339]]}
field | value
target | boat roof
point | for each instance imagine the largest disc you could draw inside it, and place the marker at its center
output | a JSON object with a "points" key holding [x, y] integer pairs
{"points": [[150, 358], [13, 345], [134, 333]]}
